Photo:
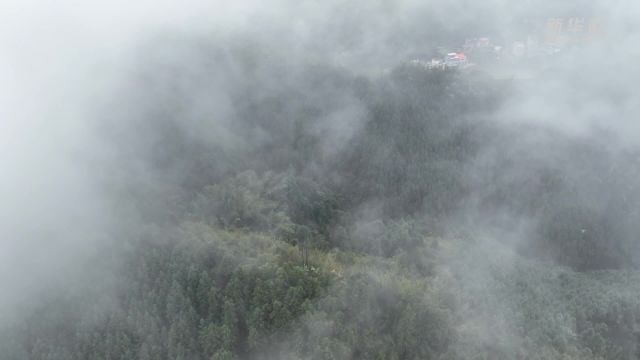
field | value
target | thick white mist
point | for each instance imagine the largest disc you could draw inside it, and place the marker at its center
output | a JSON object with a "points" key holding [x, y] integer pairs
{"points": [[60, 62]]}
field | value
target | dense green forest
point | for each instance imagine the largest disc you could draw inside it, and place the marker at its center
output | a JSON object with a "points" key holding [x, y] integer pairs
{"points": [[270, 210]]}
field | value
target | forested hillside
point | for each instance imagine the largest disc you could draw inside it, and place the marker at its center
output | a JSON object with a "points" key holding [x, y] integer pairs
{"points": [[269, 210]]}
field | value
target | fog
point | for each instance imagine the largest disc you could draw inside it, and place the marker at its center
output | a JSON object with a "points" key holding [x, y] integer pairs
{"points": [[122, 121]]}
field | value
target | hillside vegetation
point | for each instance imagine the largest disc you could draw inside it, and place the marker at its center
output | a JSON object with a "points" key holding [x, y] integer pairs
{"points": [[278, 212]]}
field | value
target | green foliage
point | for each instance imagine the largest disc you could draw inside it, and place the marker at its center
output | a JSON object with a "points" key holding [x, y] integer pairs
{"points": [[381, 318], [242, 202], [198, 295], [296, 245]]}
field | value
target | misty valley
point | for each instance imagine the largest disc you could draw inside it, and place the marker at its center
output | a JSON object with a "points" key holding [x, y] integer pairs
{"points": [[264, 199]]}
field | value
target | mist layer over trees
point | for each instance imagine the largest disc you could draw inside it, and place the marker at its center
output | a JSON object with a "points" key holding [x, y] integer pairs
{"points": [[274, 200]]}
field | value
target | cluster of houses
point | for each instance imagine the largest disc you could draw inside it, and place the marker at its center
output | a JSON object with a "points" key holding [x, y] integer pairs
{"points": [[482, 51], [550, 38], [451, 60]]}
